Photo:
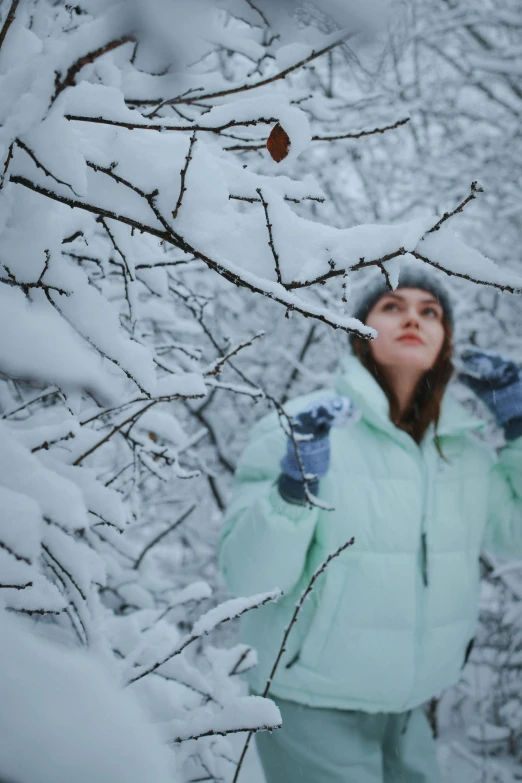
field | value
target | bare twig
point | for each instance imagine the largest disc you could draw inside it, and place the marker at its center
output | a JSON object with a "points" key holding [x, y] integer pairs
{"points": [[26, 287], [183, 174], [72, 237], [73, 71], [236, 669], [14, 554], [177, 128], [309, 341], [270, 237], [386, 277], [360, 134], [218, 366], [447, 215], [162, 103], [258, 11], [8, 159], [48, 443], [193, 637], [317, 573], [113, 432], [246, 87], [16, 587], [215, 732], [64, 570], [115, 245], [8, 21], [162, 535], [169, 235], [40, 165], [338, 137], [252, 200], [24, 405]]}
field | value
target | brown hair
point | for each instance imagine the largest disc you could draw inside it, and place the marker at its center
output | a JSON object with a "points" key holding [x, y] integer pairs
{"points": [[426, 403]]}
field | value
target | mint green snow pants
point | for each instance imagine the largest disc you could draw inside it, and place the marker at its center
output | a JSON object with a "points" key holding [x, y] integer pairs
{"points": [[343, 746]]}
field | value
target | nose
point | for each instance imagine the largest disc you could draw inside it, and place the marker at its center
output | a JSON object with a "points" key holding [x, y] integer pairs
{"points": [[411, 318]]}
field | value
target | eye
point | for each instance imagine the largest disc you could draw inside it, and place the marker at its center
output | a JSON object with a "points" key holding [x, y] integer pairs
{"points": [[389, 305], [432, 311]]}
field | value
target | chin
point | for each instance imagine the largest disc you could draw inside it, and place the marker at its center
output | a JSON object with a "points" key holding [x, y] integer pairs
{"points": [[417, 361], [412, 356]]}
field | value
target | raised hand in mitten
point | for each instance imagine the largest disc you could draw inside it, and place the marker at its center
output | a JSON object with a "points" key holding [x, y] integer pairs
{"points": [[310, 430], [497, 381]]}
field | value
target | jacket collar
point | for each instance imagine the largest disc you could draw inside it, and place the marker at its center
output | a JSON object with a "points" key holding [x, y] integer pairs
{"points": [[354, 381]]}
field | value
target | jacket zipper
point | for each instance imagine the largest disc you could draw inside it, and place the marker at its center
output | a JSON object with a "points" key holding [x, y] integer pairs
{"points": [[424, 555], [426, 497]]}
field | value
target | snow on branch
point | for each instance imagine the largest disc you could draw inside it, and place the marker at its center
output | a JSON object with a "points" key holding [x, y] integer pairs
{"points": [[229, 610]]}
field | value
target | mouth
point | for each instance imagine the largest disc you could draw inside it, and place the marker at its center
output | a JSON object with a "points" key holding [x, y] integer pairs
{"points": [[410, 338]]}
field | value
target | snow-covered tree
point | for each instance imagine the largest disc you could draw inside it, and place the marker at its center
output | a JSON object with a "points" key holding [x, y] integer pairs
{"points": [[141, 255]]}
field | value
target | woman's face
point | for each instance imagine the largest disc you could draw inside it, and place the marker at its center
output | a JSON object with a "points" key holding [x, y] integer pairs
{"points": [[410, 329]]}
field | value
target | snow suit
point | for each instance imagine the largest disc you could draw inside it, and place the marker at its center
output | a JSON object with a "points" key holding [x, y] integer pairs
{"points": [[345, 746], [388, 623]]}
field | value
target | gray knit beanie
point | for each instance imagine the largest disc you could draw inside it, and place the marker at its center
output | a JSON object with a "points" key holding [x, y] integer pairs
{"points": [[409, 278]]}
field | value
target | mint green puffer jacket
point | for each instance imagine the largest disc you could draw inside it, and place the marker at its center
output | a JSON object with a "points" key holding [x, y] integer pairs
{"points": [[388, 624]]}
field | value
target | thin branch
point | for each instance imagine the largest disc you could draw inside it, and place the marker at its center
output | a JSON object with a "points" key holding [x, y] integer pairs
{"points": [[162, 103], [14, 554], [270, 237], [32, 612], [178, 128], [360, 134], [317, 573], [356, 135], [447, 215], [115, 245], [8, 21], [386, 277], [463, 276], [73, 71], [183, 174], [236, 669], [113, 432], [170, 236], [16, 587], [215, 732], [295, 370], [96, 347], [6, 164], [193, 637], [162, 535], [72, 237], [64, 570], [40, 165], [29, 402], [26, 287], [258, 11], [48, 443], [246, 87], [252, 200], [89, 208], [218, 366]]}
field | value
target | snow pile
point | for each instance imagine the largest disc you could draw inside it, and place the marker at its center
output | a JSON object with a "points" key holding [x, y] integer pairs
{"points": [[65, 720]]}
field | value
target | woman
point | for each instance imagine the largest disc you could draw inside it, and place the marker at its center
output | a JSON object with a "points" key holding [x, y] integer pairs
{"points": [[389, 623]]}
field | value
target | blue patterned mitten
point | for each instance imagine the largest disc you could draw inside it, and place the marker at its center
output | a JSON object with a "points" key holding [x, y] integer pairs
{"points": [[315, 422], [497, 381]]}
